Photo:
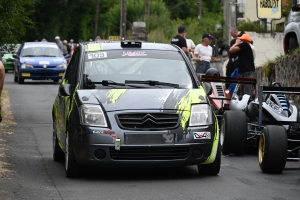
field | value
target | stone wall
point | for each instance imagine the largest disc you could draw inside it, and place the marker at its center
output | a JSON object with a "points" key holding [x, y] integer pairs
{"points": [[284, 71]]}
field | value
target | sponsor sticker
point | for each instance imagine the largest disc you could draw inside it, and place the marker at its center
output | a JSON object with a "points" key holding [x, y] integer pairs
{"points": [[202, 135], [44, 62], [97, 55], [134, 53]]}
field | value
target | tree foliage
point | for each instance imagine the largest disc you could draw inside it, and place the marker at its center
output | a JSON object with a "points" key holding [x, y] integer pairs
{"points": [[14, 20]]}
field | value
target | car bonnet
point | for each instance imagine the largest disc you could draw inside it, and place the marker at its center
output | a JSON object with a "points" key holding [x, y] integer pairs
{"points": [[143, 99]]}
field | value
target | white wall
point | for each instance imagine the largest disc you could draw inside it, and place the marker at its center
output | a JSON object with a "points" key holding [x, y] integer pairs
{"points": [[267, 46]]}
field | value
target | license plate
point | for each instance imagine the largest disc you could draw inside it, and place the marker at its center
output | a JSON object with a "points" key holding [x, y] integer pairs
{"points": [[25, 74], [61, 74], [149, 138]]}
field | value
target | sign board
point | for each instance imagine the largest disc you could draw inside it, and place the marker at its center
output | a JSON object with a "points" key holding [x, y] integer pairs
{"points": [[269, 9], [114, 38]]}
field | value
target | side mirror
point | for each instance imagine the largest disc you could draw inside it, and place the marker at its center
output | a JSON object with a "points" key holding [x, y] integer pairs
{"points": [[64, 90], [15, 56], [207, 88], [295, 5]]}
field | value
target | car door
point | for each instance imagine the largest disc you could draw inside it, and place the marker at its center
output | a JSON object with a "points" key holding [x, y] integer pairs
{"points": [[63, 102]]}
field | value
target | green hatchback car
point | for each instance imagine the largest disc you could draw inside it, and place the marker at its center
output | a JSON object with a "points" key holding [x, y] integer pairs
{"points": [[7, 52]]}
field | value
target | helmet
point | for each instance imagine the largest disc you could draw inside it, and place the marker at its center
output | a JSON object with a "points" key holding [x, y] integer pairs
{"points": [[212, 72]]}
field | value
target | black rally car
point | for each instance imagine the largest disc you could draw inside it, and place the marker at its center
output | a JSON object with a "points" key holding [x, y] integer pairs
{"points": [[133, 104]]}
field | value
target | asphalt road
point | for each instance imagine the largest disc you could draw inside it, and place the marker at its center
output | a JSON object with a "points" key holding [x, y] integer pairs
{"points": [[34, 175]]}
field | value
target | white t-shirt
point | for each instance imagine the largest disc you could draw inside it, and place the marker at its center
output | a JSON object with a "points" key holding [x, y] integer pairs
{"points": [[204, 52], [190, 44]]}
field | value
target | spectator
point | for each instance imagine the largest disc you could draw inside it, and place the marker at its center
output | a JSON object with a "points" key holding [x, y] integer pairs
{"points": [[234, 33], [59, 43], [66, 48], [71, 44], [73, 48], [245, 61], [179, 39], [97, 38], [2, 76], [203, 54], [44, 40]]}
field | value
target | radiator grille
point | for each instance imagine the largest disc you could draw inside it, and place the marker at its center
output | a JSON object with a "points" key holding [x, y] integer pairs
{"points": [[153, 121]]}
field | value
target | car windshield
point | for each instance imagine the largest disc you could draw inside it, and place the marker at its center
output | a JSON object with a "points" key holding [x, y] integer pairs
{"points": [[120, 70], [41, 51]]}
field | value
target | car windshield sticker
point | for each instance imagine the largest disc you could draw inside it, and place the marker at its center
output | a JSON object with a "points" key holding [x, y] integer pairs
{"points": [[93, 47], [134, 53], [202, 135], [44, 63], [97, 55]]}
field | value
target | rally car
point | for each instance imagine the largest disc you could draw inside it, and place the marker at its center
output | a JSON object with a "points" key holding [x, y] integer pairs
{"points": [[271, 123], [39, 61], [131, 103]]}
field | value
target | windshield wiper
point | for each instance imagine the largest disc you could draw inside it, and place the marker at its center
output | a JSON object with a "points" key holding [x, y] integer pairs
{"points": [[29, 56], [151, 83], [45, 56], [106, 83]]}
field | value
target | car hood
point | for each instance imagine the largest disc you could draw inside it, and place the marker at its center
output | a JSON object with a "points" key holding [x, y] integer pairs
{"points": [[43, 60], [143, 99]]}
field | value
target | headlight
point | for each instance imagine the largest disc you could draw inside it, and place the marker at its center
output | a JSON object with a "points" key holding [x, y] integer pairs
{"points": [[26, 66], [201, 114], [62, 66], [3, 60], [92, 115]]}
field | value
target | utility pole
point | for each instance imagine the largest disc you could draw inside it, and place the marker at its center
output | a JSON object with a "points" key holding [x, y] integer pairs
{"points": [[199, 3], [123, 20], [147, 7], [96, 18]]}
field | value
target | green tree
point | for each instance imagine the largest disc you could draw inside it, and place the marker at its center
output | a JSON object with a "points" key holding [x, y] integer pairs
{"points": [[14, 20]]}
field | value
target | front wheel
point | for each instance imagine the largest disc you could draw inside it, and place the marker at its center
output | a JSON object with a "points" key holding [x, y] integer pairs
{"points": [[20, 79], [233, 135], [58, 154], [293, 44], [272, 149], [212, 168], [15, 76], [71, 165]]}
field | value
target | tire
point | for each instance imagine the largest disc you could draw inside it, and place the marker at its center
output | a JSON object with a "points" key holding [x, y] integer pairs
{"points": [[71, 166], [212, 168], [272, 149], [15, 77], [6, 71], [293, 44], [233, 135], [55, 80], [58, 154], [20, 79]]}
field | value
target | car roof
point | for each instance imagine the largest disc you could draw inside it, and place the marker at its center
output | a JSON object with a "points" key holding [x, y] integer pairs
{"points": [[123, 45], [40, 44]]}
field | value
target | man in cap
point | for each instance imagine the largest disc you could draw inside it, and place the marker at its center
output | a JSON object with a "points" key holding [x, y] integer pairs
{"points": [[59, 43], [203, 54], [245, 61], [179, 39]]}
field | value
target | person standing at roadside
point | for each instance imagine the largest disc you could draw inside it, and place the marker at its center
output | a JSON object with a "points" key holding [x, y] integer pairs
{"points": [[2, 76], [245, 61], [59, 43], [179, 39], [203, 54]]}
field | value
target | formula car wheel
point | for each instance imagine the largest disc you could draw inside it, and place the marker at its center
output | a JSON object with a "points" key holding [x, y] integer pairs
{"points": [[272, 149], [58, 154], [212, 168], [71, 166], [293, 44], [233, 135]]}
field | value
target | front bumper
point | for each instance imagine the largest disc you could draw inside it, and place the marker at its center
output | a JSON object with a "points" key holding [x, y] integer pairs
{"points": [[98, 149], [42, 73]]}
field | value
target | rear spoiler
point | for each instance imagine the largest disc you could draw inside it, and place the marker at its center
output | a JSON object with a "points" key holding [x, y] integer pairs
{"points": [[274, 90]]}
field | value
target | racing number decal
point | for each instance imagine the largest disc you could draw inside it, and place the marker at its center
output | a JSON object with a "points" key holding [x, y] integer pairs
{"points": [[97, 55]]}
